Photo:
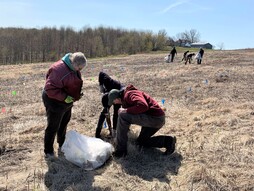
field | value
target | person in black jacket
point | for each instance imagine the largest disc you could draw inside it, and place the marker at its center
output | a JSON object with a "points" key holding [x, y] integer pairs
{"points": [[106, 83], [185, 55], [172, 54], [189, 58], [200, 56]]}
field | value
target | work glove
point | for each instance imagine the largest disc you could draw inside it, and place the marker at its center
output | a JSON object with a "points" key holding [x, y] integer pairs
{"points": [[68, 99]]}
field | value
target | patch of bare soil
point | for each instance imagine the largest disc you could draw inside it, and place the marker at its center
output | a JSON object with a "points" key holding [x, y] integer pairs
{"points": [[209, 108]]}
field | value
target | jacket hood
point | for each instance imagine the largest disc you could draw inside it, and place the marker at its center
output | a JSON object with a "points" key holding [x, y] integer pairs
{"points": [[130, 87], [67, 61]]}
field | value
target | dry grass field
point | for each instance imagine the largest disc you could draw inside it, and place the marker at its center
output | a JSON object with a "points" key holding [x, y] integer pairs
{"points": [[210, 109]]}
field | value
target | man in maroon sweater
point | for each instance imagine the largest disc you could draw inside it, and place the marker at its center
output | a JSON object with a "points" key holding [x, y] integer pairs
{"points": [[62, 88], [140, 109]]}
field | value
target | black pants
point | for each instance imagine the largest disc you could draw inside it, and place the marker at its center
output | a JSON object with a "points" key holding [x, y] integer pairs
{"points": [[150, 125], [172, 57], [58, 116], [102, 118], [145, 138]]}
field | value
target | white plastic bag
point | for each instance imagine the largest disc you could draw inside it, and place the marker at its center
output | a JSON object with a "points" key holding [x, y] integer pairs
{"points": [[167, 58], [198, 56], [86, 152]]}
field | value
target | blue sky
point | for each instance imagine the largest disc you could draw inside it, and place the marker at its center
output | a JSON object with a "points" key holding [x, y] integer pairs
{"points": [[227, 22]]}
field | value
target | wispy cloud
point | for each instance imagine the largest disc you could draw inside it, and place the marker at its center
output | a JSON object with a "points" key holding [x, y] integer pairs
{"points": [[173, 5], [192, 7]]}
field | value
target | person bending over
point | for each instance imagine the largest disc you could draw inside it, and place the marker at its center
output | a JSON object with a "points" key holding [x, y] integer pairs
{"points": [[106, 83], [189, 58]]}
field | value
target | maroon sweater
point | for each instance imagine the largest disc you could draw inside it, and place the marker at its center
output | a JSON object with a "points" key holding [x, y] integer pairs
{"points": [[138, 102], [61, 81]]}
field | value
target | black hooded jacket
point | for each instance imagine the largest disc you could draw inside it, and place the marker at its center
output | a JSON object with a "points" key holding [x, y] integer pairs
{"points": [[108, 83]]}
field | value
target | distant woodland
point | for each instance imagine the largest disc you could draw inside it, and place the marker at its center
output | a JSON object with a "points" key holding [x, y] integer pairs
{"points": [[19, 45]]}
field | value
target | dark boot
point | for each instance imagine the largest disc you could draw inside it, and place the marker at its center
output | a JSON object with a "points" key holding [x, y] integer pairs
{"points": [[167, 142], [170, 145], [156, 141]]}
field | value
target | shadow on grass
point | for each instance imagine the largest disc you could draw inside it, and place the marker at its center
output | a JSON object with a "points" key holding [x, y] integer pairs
{"points": [[151, 163], [63, 175]]}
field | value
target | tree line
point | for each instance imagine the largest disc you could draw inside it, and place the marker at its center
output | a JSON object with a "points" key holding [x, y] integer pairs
{"points": [[20, 45]]}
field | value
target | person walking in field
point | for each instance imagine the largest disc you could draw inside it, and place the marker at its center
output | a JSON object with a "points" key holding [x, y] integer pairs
{"points": [[141, 109], [62, 88], [106, 83], [199, 56], [185, 55], [172, 54]]}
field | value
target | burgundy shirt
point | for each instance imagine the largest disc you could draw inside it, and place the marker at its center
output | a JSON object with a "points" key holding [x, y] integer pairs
{"points": [[138, 102], [61, 81]]}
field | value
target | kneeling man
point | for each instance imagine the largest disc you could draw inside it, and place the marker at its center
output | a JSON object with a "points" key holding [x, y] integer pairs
{"points": [[140, 109]]}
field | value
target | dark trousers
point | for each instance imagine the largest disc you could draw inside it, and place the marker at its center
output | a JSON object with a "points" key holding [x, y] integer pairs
{"points": [[150, 125], [102, 119], [145, 138], [58, 117], [172, 57], [188, 60]]}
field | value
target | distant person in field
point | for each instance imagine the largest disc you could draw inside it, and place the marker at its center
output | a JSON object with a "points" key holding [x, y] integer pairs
{"points": [[62, 88], [189, 58], [185, 55], [141, 109], [172, 54], [106, 83], [199, 56]]}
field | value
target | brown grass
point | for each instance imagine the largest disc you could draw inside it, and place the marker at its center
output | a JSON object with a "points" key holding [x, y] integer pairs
{"points": [[213, 124]]}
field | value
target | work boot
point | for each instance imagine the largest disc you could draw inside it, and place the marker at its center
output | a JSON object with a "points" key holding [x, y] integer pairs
{"points": [[170, 146]]}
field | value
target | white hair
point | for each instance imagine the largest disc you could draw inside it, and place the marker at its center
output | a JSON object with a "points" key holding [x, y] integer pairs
{"points": [[78, 58]]}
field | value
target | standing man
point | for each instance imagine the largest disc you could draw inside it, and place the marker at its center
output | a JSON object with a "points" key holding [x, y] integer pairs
{"points": [[106, 83], [140, 109], [200, 56], [62, 88], [172, 54]]}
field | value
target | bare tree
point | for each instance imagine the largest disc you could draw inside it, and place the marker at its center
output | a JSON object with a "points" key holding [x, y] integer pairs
{"points": [[189, 36], [220, 46], [194, 35]]}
